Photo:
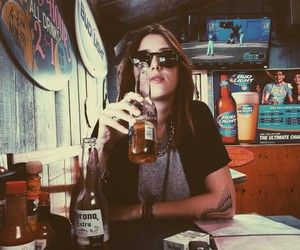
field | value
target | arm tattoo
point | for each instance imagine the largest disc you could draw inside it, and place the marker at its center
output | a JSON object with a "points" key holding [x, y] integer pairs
{"points": [[223, 207]]}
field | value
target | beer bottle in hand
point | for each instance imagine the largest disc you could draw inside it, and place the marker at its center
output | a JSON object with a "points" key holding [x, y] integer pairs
{"points": [[226, 113], [89, 229], [142, 134]]}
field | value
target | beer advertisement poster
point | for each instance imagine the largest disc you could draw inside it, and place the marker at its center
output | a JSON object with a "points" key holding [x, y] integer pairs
{"points": [[267, 106]]}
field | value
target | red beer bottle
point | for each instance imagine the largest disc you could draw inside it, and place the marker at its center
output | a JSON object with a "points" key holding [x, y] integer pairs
{"points": [[226, 113]]}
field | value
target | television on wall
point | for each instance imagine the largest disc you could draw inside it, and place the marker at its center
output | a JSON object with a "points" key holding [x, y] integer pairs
{"points": [[232, 43]]}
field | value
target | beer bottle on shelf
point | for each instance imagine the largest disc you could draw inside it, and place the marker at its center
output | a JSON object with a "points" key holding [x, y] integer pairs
{"points": [[33, 169], [226, 113], [142, 134], [16, 234], [44, 233], [90, 206]]}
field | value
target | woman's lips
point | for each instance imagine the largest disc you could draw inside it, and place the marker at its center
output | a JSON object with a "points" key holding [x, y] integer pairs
{"points": [[156, 79]]}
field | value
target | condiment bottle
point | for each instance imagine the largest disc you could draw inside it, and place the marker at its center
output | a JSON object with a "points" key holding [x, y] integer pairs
{"points": [[16, 234], [33, 169], [226, 113], [143, 133], [2, 199], [44, 233], [90, 210]]}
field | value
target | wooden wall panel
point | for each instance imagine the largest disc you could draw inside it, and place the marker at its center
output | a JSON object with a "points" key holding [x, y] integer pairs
{"points": [[8, 102], [44, 106], [272, 186], [25, 123], [82, 91], [74, 109], [93, 107], [62, 117]]}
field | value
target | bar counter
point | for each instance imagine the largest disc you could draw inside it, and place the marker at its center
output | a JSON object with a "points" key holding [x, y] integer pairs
{"points": [[138, 235]]}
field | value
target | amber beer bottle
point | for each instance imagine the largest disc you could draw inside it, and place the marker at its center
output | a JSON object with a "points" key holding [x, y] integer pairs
{"points": [[142, 134], [90, 207], [44, 233], [226, 113], [16, 234]]}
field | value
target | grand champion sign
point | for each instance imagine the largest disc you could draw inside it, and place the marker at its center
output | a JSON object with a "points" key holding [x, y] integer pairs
{"points": [[89, 40], [37, 36]]}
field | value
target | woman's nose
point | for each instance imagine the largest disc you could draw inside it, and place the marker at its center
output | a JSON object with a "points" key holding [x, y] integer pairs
{"points": [[155, 63]]}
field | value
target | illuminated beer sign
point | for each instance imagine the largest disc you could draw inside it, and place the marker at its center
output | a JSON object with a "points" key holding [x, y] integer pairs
{"points": [[37, 36], [89, 40]]}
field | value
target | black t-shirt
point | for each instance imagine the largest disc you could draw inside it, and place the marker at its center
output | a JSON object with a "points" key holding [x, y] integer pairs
{"points": [[201, 154]]}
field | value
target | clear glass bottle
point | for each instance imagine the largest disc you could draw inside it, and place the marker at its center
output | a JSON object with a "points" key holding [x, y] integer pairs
{"points": [[16, 234], [90, 206], [143, 133], [44, 233]]}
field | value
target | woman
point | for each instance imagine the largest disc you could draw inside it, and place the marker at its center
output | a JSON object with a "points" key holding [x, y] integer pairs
{"points": [[190, 179]]}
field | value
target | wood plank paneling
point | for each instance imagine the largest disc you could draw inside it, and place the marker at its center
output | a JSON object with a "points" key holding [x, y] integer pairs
{"points": [[8, 103], [272, 186], [82, 91], [25, 126], [62, 117], [45, 125], [92, 105], [74, 109]]}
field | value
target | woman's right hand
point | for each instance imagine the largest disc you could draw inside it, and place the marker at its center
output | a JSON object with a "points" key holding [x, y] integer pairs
{"points": [[114, 120]]}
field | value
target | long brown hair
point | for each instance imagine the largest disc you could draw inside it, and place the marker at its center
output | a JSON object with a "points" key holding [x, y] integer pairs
{"points": [[182, 114]]}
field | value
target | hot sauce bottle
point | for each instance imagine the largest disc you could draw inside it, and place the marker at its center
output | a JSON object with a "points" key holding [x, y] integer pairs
{"points": [[16, 234], [33, 169]]}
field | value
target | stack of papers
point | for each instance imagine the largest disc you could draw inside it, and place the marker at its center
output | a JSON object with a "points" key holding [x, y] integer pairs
{"points": [[251, 231]]}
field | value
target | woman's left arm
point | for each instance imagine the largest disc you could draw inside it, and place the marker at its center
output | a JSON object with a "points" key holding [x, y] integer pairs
{"points": [[218, 202]]}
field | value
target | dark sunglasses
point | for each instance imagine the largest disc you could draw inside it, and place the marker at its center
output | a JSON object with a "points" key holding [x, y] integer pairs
{"points": [[166, 58]]}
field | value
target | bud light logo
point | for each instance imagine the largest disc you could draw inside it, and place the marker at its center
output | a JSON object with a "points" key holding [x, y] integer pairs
{"points": [[227, 120], [245, 109], [243, 81], [227, 124]]}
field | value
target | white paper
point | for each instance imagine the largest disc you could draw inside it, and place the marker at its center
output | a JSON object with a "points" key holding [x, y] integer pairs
{"points": [[245, 224], [268, 242]]}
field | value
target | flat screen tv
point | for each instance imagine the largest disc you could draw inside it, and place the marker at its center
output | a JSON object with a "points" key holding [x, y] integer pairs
{"points": [[232, 43]]}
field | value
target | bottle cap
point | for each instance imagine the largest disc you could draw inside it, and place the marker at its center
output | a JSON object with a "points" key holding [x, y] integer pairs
{"points": [[44, 197], [34, 167], [15, 187]]}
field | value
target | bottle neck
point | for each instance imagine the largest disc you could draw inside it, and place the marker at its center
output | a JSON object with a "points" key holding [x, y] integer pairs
{"points": [[225, 91], [143, 85], [90, 166], [44, 212], [16, 211]]}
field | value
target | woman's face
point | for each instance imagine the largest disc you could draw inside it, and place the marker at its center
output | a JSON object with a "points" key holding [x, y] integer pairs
{"points": [[297, 78], [163, 80]]}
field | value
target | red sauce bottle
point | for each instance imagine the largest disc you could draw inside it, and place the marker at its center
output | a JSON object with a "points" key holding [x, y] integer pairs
{"points": [[16, 234]]}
